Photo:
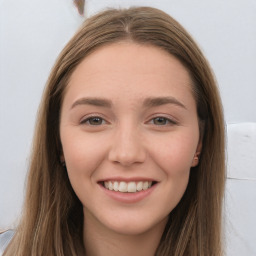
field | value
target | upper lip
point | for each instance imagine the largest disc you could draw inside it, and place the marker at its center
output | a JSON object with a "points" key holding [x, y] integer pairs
{"points": [[127, 179]]}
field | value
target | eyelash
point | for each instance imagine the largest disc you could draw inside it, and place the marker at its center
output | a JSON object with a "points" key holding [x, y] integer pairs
{"points": [[167, 121], [88, 119]]}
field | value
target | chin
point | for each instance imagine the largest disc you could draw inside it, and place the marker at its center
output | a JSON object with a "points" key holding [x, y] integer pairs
{"points": [[132, 226]]}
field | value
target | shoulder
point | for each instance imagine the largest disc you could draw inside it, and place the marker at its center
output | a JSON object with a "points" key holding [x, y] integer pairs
{"points": [[5, 238]]}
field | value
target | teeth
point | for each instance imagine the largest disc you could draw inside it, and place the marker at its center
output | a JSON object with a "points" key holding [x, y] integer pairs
{"points": [[106, 184], [116, 186], [129, 187], [145, 185], [132, 187], [110, 186], [140, 186], [123, 187]]}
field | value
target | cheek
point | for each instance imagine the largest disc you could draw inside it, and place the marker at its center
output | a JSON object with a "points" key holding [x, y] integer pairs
{"points": [[174, 158], [174, 154], [82, 154]]}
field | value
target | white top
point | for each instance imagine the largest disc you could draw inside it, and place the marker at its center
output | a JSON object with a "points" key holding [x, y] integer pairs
{"points": [[5, 239]]}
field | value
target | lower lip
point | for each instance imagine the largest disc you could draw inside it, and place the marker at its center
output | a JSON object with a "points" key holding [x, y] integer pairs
{"points": [[128, 197]]}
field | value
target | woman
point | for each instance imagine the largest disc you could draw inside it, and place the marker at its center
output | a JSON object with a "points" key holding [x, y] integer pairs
{"points": [[128, 154]]}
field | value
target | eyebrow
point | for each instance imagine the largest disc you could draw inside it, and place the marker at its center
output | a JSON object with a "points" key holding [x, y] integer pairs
{"points": [[158, 101], [148, 102], [100, 102]]}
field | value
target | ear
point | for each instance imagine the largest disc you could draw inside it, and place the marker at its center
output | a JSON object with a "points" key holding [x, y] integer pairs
{"points": [[62, 159], [196, 157]]}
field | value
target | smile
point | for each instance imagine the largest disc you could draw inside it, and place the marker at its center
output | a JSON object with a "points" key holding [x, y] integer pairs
{"points": [[127, 187]]}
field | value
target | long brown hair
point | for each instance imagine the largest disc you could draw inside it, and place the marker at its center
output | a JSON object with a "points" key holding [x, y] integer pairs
{"points": [[52, 217]]}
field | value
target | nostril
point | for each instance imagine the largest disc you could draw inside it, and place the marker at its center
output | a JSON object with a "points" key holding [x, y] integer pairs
{"points": [[126, 149]]}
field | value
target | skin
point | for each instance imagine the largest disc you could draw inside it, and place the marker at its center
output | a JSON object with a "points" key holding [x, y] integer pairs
{"points": [[128, 140]]}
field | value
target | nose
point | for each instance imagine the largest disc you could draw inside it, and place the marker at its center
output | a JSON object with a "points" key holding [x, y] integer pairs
{"points": [[127, 147]]}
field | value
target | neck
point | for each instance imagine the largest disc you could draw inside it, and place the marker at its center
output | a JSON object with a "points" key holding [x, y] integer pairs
{"points": [[101, 241]]}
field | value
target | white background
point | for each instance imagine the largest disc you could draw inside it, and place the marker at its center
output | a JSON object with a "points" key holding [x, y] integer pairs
{"points": [[32, 33]]}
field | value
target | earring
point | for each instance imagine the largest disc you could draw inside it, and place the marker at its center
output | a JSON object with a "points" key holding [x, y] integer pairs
{"points": [[63, 164]]}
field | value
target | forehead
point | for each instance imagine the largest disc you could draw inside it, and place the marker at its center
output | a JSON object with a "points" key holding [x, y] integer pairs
{"points": [[128, 69]]}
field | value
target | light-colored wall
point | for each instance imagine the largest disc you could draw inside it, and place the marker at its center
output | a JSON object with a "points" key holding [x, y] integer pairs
{"points": [[32, 33]]}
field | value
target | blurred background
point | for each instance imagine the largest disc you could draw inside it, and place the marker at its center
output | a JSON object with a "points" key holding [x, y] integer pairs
{"points": [[32, 33]]}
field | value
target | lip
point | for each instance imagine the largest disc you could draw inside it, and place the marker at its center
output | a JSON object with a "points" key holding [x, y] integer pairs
{"points": [[128, 198], [127, 179]]}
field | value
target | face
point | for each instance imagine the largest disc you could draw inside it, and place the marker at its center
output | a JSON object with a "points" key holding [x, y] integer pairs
{"points": [[129, 132]]}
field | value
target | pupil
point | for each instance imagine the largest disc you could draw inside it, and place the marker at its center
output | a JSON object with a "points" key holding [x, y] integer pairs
{"points": [[96, 121], [160, 120]]}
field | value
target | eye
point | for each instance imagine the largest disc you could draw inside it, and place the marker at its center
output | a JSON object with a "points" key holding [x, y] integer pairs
{"points": [[95, 120], [162, 121]]}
